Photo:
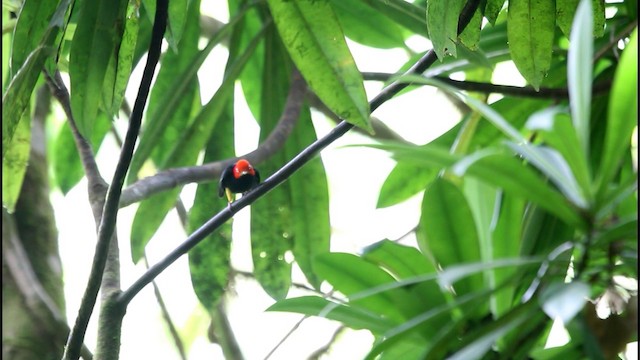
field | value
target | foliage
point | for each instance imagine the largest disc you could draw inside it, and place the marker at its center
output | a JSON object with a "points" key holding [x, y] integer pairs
{"points": [[528, 206]]}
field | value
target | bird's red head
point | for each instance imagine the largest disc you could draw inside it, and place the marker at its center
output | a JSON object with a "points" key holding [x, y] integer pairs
{"points": [[242, 167]]}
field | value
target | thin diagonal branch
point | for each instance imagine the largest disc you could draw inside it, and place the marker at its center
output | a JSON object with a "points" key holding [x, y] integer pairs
{"points": [[283, 173], [109, 216], [509, 90], [171, 178], [97, 185]]}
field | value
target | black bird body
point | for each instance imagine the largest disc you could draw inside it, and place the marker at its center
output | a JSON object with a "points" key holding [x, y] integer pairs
{"points": [[238, 177]]}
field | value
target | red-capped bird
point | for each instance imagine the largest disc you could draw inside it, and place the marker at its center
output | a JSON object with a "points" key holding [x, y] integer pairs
{"points": [[239, 177]]}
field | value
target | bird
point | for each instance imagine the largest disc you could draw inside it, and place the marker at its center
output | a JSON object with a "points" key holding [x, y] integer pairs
{"points": [[238, 177]]}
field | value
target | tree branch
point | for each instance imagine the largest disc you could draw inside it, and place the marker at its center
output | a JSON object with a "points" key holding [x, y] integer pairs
{"points": [[108, 220], [509, 90], [171, 178], [283, 173]]}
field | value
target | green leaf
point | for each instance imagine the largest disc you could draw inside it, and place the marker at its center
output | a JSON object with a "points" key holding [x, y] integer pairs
{"points": [[506, 241], [178, 14], [309, 201], [352, 316], [407, 263], [442, 18], [514, 177], [447, 230], [482, 339], [209, 261], [564, 301], [18, 94], [408, 15], [125, 57], [530, 29], [554, 127], [352, 275], [94, 45], [492, 9], [366, 25], [315, 42], [272, 219], [579, 73], [406, 180], [403, 182], [566, 10], [14, 163], [470, 36], [400, 260], [67, 167], [552, 164], [622, 115], [168, 118], [30, 28]]}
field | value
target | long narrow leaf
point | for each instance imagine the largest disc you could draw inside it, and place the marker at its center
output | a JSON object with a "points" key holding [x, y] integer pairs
{"points": [[530, 28], [579, 72], [320, 52], [622, 114]]}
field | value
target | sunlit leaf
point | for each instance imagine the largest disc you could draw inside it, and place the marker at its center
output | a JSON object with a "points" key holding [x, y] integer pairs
{"points": [[579, 73], [352, 316], [14, 164], [530, 28], [320, 52], [622, 114], [442, 18], [447, 230], [363, 24], [563, 301], [352, 275]]}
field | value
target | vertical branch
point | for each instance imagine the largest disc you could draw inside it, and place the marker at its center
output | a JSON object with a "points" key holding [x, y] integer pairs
{"points": [[111, 321]]}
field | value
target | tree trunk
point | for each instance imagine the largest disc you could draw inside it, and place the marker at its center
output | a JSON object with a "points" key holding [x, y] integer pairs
{"points": [[33, 321]]}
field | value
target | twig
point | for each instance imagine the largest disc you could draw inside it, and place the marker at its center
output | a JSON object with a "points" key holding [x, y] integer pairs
{"points": [[284, 338], [108, 221], [168, 179], [509, 90], [323, 350], [282, 174], [614, 40], [166, 316]]}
